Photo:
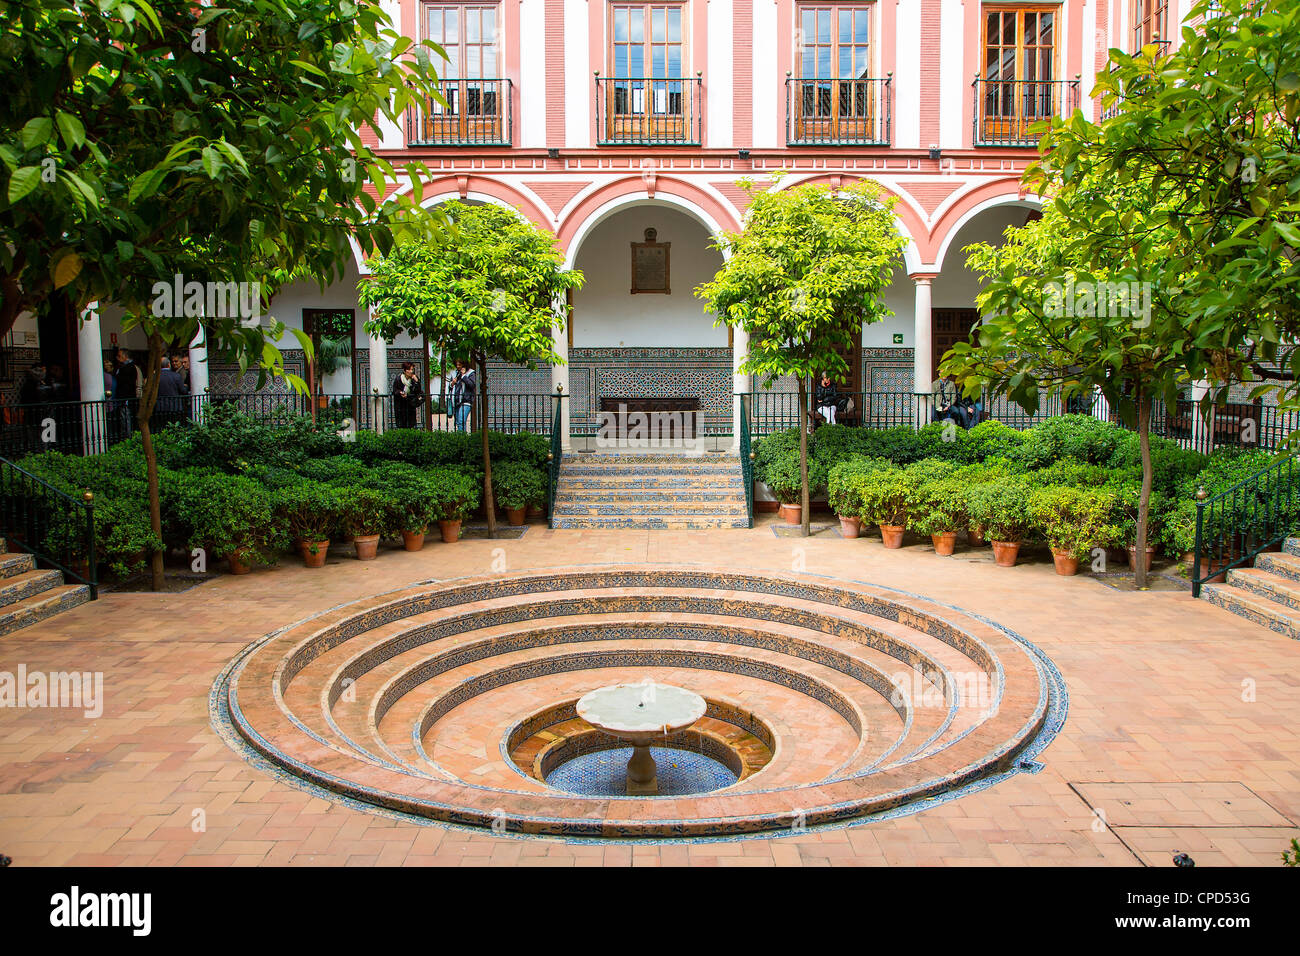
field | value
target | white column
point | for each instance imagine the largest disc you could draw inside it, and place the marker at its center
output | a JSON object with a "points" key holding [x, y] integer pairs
{"points": [[1201, 436], [922, 349], [90, 370], [378, 379], [199, 363], [740, 383], [1101, 407], [560, 374]]}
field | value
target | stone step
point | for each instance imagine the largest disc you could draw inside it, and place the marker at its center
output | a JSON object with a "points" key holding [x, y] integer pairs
{"points": [[1273, 587], [600, 508], [41, 606], [1254, 607], [652, 469], [19, 586], [1292, 546], [585, 483], [632, 493], [679, 522], [12, 565], [650, 458], [1284, 565]]}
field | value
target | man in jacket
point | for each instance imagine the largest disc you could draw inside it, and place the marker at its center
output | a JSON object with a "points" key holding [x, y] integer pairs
{"points": [[406, 396]]}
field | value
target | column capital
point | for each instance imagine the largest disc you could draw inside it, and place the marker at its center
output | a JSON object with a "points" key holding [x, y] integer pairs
{"points": [[923, 278]]}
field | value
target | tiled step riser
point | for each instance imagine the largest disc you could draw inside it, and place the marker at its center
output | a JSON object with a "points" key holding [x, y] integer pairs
{"points": [[1269, 590], [1283, 565], [1259, 610], [646, 494], [648, 523], [12, 565], [13, 590], [37, 609], [1292, 546], [661, 506], [613, 458]]}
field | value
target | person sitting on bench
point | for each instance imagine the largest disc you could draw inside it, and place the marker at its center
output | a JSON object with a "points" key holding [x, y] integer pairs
{"points": [[943, 396], [827, 397]]}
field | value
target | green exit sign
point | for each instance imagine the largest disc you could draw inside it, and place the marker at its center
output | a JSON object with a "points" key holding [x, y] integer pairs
{"points": [[898, 338]]}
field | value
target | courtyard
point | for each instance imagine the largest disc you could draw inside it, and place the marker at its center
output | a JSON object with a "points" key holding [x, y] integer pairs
{"points": [[1181, 733]]}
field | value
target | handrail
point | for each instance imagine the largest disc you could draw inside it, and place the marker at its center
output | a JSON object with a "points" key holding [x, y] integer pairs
{"points": [[556, 456], [746, 460], [1243, 520], [838, 111], [34, 513]]}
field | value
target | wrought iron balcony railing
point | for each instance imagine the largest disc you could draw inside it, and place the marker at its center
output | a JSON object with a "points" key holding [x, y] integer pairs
{"points": [[648, 111], [477, 113], [1007, 111], [835, 112]]}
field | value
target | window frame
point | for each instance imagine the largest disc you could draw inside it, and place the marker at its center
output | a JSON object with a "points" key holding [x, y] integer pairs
{"points": [[838, 107], [1012, 125], [1148, 22], [477, 106]]}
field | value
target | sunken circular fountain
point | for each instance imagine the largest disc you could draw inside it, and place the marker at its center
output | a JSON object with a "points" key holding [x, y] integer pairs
{"points": [[812, 701]]}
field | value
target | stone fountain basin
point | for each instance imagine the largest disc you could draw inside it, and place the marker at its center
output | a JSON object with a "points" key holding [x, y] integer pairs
{"points": [[641, 713]]}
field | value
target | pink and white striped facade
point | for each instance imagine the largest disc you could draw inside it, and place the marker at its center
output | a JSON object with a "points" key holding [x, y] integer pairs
{"points": [[550, 157]]}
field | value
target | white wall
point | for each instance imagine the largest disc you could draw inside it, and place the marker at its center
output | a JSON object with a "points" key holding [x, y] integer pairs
{"points": [[607, 315]]}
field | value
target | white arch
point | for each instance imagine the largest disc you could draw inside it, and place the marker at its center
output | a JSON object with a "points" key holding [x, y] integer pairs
{"points": [[1028, 201], [629, 201], [364, 270]]}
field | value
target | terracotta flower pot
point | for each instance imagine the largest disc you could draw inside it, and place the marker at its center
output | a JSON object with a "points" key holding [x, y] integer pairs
{"points": [[239, 562], [450, 530], [314, 552], [1005, 553], [516, 516], [1132, 557], [413, 540], [975, 537], [367, 546], [850, 527], [1066, 563], [892, 535], [535, 511], [791, 514], [944, 542]]}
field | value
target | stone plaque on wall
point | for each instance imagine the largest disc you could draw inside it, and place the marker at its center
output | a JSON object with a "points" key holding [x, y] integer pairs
{"points": [[650, 265]]}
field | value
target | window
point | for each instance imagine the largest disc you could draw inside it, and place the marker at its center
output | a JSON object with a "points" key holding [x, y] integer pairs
{"points": [[1150, 22], [476, 95], [1018, 87], [834, 98], [647, 97]]}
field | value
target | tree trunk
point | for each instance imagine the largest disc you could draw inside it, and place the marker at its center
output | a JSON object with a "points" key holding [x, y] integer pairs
{"points": [[805, 422], [1144, 501], [148, 399], [487, 453]]}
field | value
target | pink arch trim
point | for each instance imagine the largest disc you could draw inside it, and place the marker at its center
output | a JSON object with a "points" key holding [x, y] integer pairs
{"points": [[722, 214]]}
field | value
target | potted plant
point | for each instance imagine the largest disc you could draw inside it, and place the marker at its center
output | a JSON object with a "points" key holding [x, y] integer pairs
{"points": [[843, 493], [938, 508], [884, 503], [233, 517], [1127, 499], [1074, 521], [455, 494], [516, 485], [1002, 509], [311, 510], [366, 515], [784, 479]]}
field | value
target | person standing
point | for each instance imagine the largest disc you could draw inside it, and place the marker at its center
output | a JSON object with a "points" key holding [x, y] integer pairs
{"points": [[126, 386], [407, 396], [109, 371], [463, 391], [171, 392]]}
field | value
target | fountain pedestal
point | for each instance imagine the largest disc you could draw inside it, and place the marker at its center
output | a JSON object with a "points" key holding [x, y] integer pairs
{"points": [[640, 714]]}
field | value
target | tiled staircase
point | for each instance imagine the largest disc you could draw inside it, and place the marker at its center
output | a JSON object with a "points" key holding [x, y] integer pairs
{"points": [[650, 491], [28, 595], [1268, 593]]}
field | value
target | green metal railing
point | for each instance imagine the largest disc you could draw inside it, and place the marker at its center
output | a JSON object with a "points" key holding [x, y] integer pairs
{"points": [[1238, 523], [55, 527], [746, 459], [556, 456]]}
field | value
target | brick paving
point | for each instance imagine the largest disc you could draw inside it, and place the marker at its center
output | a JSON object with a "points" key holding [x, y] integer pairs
{"points": [[1183, 732]]}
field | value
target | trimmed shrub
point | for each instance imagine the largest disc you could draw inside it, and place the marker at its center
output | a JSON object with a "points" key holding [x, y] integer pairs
{"points": [[885, 497], [842, 488], [938, 505], [1001, 508], [1074, 520], [518, 484]]}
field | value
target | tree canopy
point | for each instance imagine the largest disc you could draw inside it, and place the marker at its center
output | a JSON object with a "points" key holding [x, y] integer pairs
{"points": [[809, 268]]}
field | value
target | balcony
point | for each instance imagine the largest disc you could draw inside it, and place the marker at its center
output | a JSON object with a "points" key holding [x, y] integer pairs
{"points": [[477, 113], [833, 112], [1162, 50], [648, 111], [1007, 111]]}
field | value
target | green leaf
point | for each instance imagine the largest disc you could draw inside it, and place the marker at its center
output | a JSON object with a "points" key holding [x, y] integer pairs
{"points": [[71, 129], [211, 162], [36, 132], [23, 181], [66, 268]]}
